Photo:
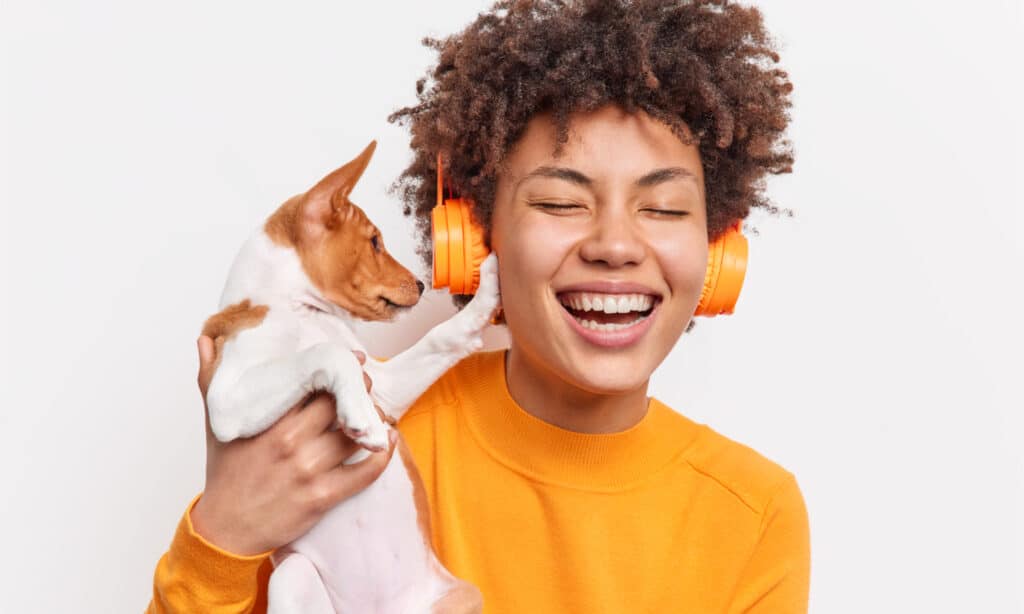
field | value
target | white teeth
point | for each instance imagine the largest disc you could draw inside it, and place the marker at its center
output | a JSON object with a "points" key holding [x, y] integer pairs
{"points": [[592, 325], [607, 303]]}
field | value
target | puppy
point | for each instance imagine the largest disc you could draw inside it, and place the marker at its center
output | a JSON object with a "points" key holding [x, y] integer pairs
{"points": [[284, 331]]}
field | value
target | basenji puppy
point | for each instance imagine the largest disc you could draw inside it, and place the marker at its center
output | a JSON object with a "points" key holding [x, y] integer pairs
{"points": [[284, 330]]}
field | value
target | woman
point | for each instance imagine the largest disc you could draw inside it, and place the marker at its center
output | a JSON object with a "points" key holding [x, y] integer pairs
{"points": [[604, 144]]}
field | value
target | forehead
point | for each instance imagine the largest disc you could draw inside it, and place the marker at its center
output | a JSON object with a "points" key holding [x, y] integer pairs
{"points": [[359, 221], [606, 144]]}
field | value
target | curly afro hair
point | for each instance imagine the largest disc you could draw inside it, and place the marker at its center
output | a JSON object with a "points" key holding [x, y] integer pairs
{"points": [[707, 64]]}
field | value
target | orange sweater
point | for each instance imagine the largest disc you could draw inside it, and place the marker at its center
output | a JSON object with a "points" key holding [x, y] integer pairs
{"points": [[667, 516]]}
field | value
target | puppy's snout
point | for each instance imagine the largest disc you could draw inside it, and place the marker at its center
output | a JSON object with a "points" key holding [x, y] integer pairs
{"points": [[419, 284]]}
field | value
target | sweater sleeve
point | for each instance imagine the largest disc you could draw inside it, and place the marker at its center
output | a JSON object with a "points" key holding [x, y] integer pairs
{"points": [[776, 578], [197, 576]]}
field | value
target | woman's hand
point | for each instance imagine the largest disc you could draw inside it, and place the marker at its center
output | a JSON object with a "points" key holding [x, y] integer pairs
{"points": [[263, 492]]}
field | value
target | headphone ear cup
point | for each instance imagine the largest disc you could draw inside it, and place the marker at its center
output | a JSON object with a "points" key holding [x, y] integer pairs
{"points": [[458, 243], [727, 266], [439, 239], [473, 248], [459, 247]]}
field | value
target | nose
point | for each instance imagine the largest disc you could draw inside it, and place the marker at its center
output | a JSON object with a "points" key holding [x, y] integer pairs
{"points": [[614, 240], [419, 284]]}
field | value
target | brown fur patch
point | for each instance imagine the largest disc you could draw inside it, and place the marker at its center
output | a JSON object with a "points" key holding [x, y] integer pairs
{"points": [[226, 323], [281, 226], [340, 260], [339, 248]]}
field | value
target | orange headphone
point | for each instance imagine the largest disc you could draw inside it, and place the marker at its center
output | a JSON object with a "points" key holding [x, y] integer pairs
{"points": [[459, 249]]}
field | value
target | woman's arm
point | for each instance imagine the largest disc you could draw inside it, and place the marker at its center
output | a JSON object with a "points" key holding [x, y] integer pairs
{"points": [[776, 579], [195, 575], [261, 493]]}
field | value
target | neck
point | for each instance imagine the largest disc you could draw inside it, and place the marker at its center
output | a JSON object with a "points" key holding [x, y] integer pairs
{"points": [[267, 272], [550, 398]]}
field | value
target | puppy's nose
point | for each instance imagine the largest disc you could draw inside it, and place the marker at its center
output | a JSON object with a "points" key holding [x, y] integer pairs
{"points": [[419, 284]]}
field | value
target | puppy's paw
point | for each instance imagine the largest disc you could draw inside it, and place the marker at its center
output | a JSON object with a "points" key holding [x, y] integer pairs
{"points": [[489, 276], [360, 420], [374, 441], [488, 294]]}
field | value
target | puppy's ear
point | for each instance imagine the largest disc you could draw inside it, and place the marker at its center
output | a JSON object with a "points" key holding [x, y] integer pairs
{"points": [[327, 202]]}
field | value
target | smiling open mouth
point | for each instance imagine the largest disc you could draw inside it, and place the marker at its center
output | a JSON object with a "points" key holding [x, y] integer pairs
{"points": [[608, 312]]}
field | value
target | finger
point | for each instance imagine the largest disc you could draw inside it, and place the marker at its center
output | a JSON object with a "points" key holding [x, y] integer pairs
{"points": [[327, 451], [307, 422], [346, 480], [384, 416], [207, 358], [206, 350], [360, 356]]}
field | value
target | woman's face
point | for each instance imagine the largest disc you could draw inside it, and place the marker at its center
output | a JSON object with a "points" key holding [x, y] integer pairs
{"points": [[618, 224]]}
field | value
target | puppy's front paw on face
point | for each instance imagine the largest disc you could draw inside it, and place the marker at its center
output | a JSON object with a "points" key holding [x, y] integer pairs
{"points": [[488, 294], [462, 334], [489, 275]]}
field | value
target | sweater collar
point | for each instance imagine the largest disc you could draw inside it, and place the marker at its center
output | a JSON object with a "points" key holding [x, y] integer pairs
{"points": [[551, 454]]}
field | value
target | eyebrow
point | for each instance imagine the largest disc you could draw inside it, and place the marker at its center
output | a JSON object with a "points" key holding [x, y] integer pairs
{"points": [[652, 178]]}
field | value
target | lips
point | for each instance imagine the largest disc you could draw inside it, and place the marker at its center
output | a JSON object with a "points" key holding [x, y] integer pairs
{"points": [[384, 309], [612, 334], [390, 304], [609, 287], [609, 314]]}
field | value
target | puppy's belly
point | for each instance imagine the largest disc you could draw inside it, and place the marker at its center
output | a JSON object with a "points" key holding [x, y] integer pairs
{"points": [[371, 552]]}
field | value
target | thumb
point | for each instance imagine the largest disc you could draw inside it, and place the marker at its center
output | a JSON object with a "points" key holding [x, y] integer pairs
{"points": [[207, 360], [206, 351], [207, 357]]}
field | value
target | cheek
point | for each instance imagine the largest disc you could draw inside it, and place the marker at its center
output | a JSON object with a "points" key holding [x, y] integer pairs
{"points": [[683, 261], [529, 258]]}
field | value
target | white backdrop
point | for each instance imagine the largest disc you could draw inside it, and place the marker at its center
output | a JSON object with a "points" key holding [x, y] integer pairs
{"points": [[872, 352]]}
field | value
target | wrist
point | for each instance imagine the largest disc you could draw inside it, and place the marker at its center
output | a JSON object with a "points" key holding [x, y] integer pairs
{"points": [[210, 526], [194, 574]]}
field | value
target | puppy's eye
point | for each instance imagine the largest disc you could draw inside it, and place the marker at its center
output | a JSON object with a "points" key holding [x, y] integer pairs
{"points": [[375, 242]]}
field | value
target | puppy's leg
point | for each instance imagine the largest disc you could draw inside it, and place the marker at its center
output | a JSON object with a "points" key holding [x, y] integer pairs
{"points": [[398, 382], [464, 598], [250, 403], [296, 588]]}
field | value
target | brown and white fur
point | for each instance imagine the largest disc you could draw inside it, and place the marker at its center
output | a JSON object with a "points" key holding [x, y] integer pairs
{"points": [[283, 331]]}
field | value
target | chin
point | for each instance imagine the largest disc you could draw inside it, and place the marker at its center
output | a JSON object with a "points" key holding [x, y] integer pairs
{"points": [[611, 373]]}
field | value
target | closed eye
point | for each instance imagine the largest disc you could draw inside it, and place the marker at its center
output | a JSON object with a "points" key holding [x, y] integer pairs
{"points": [[668, 212], [557, 206]]}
